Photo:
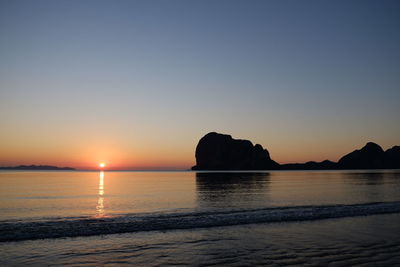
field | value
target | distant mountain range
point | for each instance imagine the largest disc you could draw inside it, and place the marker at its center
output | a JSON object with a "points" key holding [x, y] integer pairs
{"points": [[221, 152], [38, 167]]}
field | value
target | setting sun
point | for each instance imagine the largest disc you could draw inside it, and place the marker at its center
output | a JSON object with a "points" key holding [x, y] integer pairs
{"points": [[102, 165]]}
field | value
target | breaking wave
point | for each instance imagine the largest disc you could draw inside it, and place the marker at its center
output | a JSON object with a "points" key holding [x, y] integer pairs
{"points": [[88, 226]]}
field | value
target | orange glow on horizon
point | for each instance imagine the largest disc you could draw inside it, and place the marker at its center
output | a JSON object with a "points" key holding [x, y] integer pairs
{"points": [[102, 165]]}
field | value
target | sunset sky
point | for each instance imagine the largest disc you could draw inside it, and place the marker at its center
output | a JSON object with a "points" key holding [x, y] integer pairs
{"points": [[136, 84]]}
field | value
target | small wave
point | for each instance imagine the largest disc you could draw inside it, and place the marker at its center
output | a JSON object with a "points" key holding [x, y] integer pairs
{"points": [[74, 227]]}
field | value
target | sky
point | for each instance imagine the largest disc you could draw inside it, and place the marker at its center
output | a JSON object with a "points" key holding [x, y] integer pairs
{"points": [[136, 84]]}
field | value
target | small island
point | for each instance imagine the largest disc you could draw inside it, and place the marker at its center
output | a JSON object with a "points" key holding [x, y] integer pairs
{"points": [[217, 151], [38, 168]]}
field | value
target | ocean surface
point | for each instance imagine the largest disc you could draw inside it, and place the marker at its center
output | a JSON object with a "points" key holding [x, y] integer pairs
{"points": [[277, 218]]}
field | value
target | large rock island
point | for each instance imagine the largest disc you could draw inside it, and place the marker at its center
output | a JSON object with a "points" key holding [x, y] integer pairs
{"points": [[221, 152]]}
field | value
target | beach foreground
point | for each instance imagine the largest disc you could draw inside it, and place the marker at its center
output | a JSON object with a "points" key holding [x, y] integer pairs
{"points": [[361, 241], [204, 218]]}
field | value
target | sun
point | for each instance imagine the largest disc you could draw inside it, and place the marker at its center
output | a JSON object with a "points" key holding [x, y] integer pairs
{"points": [[102, 165]]}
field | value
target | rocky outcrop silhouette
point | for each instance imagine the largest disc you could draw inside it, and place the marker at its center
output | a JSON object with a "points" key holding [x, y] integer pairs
{"points": [[371, 156], [392, 158], [311, 165], [221, 152]]}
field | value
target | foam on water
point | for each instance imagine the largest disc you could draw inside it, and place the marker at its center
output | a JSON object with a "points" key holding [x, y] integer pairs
{"points": [[14, 230]]}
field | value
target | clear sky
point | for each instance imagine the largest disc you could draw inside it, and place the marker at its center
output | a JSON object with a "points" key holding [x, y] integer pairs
{"points": [[137, 83]]}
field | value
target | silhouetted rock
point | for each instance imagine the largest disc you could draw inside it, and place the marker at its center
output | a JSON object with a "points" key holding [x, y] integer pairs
{"points": [[221, 152], [371, 156], [392, 158], [311, 165]]}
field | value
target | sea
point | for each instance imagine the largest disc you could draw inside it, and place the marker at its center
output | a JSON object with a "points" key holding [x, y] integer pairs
{"points": [[185, 218]]}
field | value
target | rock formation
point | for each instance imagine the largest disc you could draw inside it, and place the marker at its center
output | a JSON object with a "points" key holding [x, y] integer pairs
{"points": [[221, 152], [311, 165], [371, 156], [368, 157], [392, 158]]}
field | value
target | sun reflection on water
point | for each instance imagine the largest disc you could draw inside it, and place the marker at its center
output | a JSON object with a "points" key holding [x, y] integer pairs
{"points": [[100, 200]]}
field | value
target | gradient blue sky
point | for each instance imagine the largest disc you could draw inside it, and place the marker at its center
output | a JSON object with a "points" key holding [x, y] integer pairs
{"points": [[137, 83]]}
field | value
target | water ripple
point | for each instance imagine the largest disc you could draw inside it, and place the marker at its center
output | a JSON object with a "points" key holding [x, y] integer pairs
{"points": [[21, 230]]}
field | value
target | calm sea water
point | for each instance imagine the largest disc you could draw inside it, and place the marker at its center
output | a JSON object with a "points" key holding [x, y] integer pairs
{"points": [[337, 218]]}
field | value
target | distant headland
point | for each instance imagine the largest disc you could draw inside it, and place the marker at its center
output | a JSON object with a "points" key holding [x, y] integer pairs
{"points": [[217, 151], [38, 168]]}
